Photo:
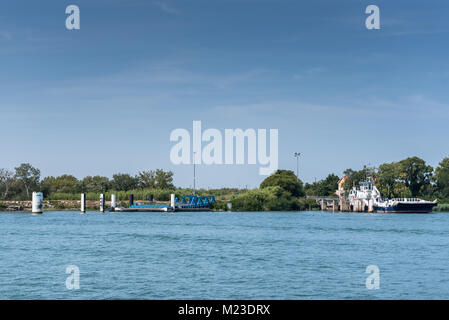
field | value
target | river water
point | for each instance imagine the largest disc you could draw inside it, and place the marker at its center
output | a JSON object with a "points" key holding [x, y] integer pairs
{"points": [[238, 255]]}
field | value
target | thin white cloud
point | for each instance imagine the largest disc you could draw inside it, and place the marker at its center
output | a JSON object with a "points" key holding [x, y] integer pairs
{"points": [[164, 6], [416, 33], [225, 81], [309, 72], [174, 79], [374, 108]]}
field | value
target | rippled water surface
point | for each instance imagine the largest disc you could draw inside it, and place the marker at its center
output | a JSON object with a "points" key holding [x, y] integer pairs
{"points": [[274, 255]]}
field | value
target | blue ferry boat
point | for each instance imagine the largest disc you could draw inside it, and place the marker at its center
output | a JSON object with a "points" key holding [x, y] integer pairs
{"points": [[188, 203]]}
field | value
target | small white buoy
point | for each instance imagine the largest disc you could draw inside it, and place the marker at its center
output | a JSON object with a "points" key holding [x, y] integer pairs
{"points": [[37, 204], [102, 202], [83, 202]]}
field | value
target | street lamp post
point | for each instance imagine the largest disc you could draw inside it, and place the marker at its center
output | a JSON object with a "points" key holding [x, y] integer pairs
{"points": [[296, 155], [194, 173]]}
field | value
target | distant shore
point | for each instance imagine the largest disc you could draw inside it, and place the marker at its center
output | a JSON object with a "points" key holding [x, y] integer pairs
{"points": [[73, 205]]}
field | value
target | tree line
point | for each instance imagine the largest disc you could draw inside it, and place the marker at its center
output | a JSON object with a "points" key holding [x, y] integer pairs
{"points": [[282, 191], [411, 177], [20, 183]]}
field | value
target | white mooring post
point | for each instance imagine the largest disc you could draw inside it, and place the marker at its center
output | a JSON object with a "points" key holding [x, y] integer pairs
{"points": [[172, 201], [371, 205], [113, 201], [37, 203], [102, 203], [83, 202]]}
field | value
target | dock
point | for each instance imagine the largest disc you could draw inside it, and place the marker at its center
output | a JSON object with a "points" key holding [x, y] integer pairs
{"points": [[186, 203], [339, 204]]}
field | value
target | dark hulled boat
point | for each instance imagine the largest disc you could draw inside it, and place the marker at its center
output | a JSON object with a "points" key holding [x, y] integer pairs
{"points": [[413, 205]]}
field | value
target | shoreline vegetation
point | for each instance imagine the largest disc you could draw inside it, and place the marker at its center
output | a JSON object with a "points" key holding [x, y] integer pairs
{"points": [[282, 191]]}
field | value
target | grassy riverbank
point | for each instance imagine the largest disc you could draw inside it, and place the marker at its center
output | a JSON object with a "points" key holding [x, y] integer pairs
{"points": [[251, 200], [281, 191]]}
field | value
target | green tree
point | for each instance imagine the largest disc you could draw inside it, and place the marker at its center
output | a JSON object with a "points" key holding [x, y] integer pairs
{"points": [[123, 182], [28, 177], [63, 184], [415, 174], [95, 184], [442, 178], [286, 180], [388, 179], [164, 179], [147, 179], [354, 177], [158, 179], [6, 180], [310, 189], [271, 198], [328, 186]]}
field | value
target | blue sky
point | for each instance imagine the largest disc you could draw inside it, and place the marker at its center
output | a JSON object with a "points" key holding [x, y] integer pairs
{"points": [[105, 98]]}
